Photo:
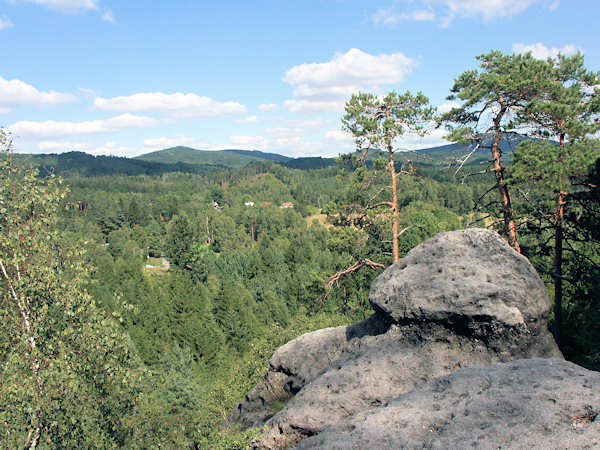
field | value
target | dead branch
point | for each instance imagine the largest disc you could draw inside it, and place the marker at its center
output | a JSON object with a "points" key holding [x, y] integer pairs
{"points": [[414, 225], [465, 158], [481, 172], [379, 192], [333, 279], [555, 276]]}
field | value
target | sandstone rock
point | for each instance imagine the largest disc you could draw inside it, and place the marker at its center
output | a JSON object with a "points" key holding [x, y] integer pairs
{"points": [[461, 299], [471, 275], [533, 403]]}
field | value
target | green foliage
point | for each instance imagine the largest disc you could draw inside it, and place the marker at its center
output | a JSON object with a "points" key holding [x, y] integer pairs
{"points": [[376, 122], [159, 359], [69, 374]]}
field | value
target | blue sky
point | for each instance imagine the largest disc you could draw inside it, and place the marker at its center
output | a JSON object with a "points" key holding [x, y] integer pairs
{"points": [[130, 77]]}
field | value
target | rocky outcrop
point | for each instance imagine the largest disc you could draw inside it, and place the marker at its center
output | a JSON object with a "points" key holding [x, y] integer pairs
{"points": [[531, 403], [461, 299]]}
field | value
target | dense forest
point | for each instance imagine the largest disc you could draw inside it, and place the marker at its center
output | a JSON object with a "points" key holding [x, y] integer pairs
{"points": [[141, 300]]}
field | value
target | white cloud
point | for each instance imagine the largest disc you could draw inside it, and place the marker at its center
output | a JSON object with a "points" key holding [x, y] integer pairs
{"points": [[321, 87], [445, 11], [113, 148], [160, 143], [108, 16], [250, 142], [182, 105], [351, 69], [249, 119], [67, 6], [339, 135], [310, 123], [60, 147], [268, 107], [540, 51], [51, 129], [447, 106], [5, 22], [75, 6], [488, 10], [390, 17], [312, 107], [18, 93]]}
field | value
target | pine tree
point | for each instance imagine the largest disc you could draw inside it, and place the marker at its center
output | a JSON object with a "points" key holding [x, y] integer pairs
{"points": [[490, 97], [377, 123], [566, 111]]}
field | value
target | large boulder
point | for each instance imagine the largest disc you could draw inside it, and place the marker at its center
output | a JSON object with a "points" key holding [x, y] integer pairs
{"points": [[531, 403], [460, 299]]}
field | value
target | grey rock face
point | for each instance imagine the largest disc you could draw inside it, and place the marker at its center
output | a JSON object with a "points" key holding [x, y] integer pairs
{"points": [[470, 275], [533, 403], [460, 299]]}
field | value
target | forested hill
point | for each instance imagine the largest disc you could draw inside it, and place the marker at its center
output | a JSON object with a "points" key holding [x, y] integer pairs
{"points": [[230, 158], [80, 163], [203, 162]]}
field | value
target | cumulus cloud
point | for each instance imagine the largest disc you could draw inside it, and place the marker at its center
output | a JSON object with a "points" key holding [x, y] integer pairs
{"points": [[51, 129], [447, 106], [540, 51], [313, 106], [18, 93], [250, 142], [354, 68], [316, 122], [75, 6], [181, 105], [390, 17], [60, 147], [66, 6], [268, 107], [445, 11], [249, 119], [160, 143], [114, 149], [5, 22], [321, 87], [339, 135]]}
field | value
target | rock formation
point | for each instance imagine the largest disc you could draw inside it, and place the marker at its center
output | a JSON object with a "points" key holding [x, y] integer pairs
{"points": [[461, 299], [530, 403]]}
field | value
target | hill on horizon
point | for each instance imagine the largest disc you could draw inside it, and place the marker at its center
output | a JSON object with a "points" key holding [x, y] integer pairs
{"points": [[232, 158], [189, 160]]}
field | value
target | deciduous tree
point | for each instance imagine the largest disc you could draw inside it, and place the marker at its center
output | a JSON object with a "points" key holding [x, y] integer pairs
{"points": [[69, 374]]}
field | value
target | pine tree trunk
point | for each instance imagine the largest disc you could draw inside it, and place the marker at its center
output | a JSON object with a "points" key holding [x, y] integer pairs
{"points": [[395, 250], [558, 250], [510, 228], [393, 176]]}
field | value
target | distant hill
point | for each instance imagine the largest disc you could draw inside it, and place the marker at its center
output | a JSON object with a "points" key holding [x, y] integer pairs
{"points": [[260, 155], [448, 153], [79, 163], [229, 158], [189, 160], [307, 163]]}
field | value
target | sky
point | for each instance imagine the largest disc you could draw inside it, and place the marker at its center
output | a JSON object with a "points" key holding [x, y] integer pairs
{"points": [[127, 77]]}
